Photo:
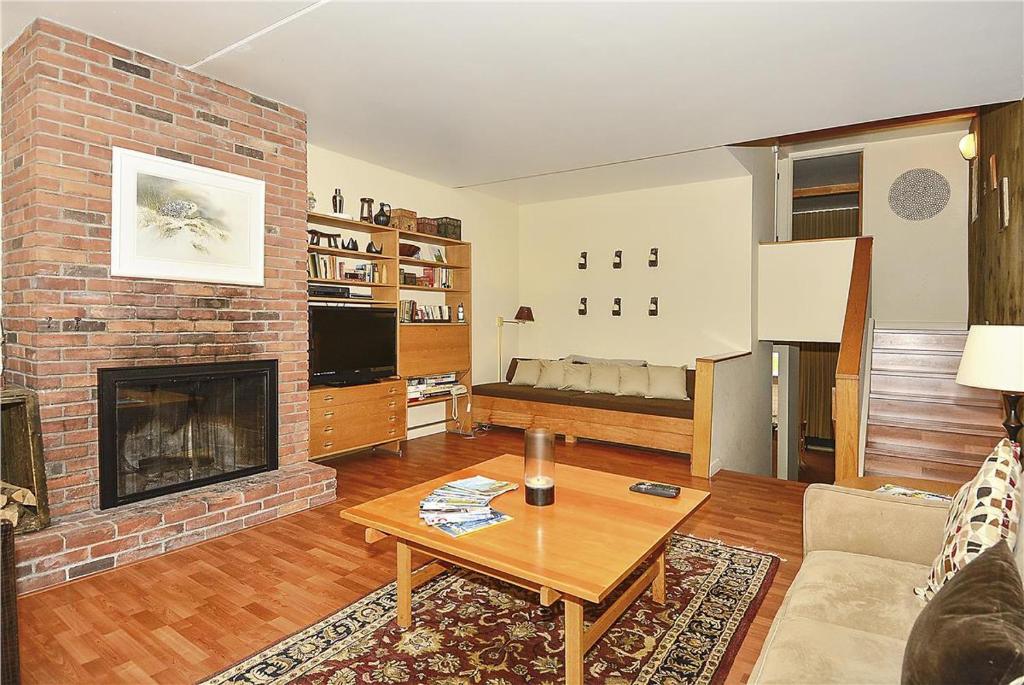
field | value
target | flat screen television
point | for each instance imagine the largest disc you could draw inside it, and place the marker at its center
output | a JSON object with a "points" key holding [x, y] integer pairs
{"points": [[351, 345]]}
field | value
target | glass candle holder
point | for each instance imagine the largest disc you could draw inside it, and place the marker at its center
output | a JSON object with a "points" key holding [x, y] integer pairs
{"points": [[539, 467]]}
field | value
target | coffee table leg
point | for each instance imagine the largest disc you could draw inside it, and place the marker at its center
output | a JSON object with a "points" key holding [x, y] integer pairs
{"points": [[658, 587], [404, 585], [573, 641]]}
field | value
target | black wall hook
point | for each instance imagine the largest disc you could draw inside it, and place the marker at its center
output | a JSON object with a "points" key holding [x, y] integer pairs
{"points": [[582, 264], [653, 309], [617, 260], [582, 311], [617, 306], [652, 261]]}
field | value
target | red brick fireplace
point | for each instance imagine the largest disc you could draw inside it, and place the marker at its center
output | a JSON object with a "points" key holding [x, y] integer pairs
{"points": [[68, 99]]}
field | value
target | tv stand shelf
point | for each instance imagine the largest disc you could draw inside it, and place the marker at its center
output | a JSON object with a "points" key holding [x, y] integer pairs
{"points": [[363, 416]]}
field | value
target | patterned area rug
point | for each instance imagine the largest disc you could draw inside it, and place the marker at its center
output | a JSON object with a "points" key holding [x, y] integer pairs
{"points": [[471, 630]]}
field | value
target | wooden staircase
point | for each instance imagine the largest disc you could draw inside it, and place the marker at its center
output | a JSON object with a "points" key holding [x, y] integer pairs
{"points": [[922, 424]]}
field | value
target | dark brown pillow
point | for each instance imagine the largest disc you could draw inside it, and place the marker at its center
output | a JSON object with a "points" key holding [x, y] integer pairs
{"points": [[972, 630]]}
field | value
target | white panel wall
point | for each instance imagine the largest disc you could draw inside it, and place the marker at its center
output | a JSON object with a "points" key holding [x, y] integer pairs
{"points": [[802, 290]]}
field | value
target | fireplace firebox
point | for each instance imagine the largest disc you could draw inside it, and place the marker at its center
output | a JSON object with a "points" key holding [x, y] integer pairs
{"points": [[166, 429]]}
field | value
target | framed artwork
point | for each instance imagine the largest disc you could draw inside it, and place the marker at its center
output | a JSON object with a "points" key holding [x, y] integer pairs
{"points": [[178, 221]]}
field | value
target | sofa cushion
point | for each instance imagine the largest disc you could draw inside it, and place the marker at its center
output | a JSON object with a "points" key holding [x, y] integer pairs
{"points": [[527, 372], [985, 510], [633, 381], [806, 651], [973, 629], [858, 591], [552, 375], [680, 409], [667, 382], [577, 377], [603, 379]]}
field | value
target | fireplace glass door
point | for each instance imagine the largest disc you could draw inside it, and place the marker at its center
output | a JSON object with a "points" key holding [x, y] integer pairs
{"points": [[171, 428]]}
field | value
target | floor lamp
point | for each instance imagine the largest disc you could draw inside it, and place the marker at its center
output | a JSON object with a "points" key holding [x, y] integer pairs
{"points": [[994, 358], [523, 315]]}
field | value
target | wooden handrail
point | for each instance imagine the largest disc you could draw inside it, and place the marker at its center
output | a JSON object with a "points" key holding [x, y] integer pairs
{"points": [[703, 405], [846, 404]]}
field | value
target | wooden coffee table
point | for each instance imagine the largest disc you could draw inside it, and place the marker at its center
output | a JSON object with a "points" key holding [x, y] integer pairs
{"points": [[577, 550]]}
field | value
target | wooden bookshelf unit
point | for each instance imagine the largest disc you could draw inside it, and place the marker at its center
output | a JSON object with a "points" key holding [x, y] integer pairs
{"points": [[376, 414]]}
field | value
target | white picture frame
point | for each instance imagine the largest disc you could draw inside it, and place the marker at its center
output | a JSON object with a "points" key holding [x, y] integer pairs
{"points": [[178, 221]]}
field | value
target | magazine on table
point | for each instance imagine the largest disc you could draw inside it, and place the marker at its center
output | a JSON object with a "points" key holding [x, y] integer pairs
{"points": [[463, 506]]}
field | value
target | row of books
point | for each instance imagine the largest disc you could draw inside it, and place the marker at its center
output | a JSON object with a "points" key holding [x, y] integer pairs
{"points": [[411, 312], [330, 267], [426, 387], [464, 506], [430, 278]]}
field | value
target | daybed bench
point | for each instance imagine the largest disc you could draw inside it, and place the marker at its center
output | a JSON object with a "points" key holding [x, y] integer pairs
{"points": [[655, 423]]}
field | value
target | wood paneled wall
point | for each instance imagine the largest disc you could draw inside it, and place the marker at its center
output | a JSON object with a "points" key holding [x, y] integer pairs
{"points": [[996, 254]]}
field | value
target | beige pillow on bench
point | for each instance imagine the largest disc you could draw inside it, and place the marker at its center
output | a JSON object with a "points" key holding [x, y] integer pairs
{"points": [[577, 377], [527, 372], [552, 375], [604, 378], [667, 383], [633, 381]]}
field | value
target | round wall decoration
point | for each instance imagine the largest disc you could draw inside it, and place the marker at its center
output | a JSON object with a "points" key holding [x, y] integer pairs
{"points": [[918, 194]]}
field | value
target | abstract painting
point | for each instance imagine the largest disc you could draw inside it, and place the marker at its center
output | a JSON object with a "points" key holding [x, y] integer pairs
{"points": [[179, 221]]}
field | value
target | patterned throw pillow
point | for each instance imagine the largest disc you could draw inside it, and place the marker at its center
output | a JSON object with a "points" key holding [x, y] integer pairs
{"points": [[984, 511]]}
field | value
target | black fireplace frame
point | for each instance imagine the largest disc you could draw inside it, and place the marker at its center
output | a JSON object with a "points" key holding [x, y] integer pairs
{"points": [[107, 390]]}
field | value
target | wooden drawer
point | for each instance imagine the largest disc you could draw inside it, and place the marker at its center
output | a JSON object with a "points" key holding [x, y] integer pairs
{"points": [[344, 427], [364, 412], [332, 397]]}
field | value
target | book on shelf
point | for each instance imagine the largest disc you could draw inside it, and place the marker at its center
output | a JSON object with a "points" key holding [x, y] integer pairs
{"points": [[332, 268], [412, 312]]}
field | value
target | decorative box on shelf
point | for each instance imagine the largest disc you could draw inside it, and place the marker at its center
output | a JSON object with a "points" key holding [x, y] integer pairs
{"points": [[426, 225], [403, 219], [408, 250], [447, 227]]}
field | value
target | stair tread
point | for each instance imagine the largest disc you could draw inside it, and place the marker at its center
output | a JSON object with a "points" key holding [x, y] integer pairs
{"points": [[935, 399], [903, 351], [935, 426], [924, 454], [915, 373], [922, 331]]}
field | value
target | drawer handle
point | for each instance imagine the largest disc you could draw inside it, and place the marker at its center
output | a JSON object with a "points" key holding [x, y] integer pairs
{"points": [[391, 432], [392, 390], [392, 418], [328, 414], [328, 429], [391, 404], [329, 443], [328, 398]]}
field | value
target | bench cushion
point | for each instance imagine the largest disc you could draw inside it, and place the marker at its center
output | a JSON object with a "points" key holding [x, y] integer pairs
{"points": [[682, 409]]}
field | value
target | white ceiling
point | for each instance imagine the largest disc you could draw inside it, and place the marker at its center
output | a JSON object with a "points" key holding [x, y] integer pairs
{"points": [[470, 94]]}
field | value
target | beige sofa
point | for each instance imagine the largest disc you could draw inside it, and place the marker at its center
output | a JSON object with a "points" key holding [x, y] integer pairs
{"points": [[850, 609]]}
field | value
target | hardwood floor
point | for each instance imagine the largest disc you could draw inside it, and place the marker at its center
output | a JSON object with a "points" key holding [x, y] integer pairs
{"points": [[185, 615]]}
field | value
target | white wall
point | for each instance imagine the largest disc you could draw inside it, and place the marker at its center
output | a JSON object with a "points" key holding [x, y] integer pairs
{"points": [[487, 222], [703, 281], [919, 268], [788, 309]]}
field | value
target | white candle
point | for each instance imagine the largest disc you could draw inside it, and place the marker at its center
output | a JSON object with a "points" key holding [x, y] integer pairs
{"points": [[540, 482]]}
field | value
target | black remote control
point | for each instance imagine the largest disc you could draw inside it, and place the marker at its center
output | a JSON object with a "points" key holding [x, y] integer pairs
{"points": [[656, 489]]}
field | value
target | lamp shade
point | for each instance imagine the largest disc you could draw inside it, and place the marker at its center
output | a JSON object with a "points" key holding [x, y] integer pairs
{"points": [[993, 358], [524, 314]]}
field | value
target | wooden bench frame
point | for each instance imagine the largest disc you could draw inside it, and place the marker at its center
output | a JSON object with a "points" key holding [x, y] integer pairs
{"points": [[688, 436]]}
